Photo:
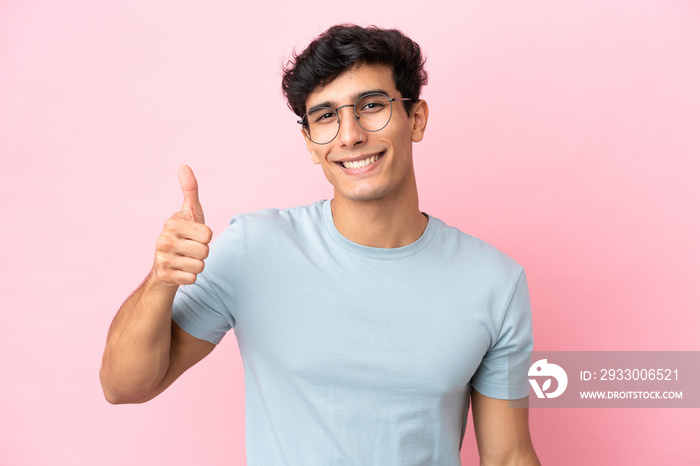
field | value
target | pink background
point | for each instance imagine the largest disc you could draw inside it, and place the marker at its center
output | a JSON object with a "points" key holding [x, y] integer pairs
{"points": [[564, 133]]}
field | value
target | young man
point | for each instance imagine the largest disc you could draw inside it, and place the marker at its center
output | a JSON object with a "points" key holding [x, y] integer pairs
{"points": [[365, 326]]}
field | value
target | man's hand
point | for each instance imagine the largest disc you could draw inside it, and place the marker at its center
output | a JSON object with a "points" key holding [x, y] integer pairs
{"points": [[184, 242]]}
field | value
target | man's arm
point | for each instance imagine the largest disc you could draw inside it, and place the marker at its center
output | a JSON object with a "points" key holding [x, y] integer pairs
{"points": [[502, 433], [145, 350]]}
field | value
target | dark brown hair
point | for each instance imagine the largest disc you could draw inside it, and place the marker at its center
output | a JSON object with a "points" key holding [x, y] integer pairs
{"points": [[343, 46]]}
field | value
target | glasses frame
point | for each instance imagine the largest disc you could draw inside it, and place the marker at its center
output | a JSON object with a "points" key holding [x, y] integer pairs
{"points": [[306, 131]]}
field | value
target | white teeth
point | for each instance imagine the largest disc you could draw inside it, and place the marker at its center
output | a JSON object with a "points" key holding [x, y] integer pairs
{"points": [[361, 163]]}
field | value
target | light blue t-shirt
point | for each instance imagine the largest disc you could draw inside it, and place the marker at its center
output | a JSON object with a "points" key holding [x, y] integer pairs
{"points": [[356, 355]]}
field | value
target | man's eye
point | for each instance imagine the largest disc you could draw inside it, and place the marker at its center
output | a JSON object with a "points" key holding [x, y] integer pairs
{"points": [[325, 117], [372, 106]]}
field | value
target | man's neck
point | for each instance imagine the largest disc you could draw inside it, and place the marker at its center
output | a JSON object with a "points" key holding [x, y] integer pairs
{"points": [[379, 223]]}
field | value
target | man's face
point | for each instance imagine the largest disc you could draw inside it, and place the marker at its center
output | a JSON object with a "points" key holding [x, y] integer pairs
{"points": [[391, 174]]}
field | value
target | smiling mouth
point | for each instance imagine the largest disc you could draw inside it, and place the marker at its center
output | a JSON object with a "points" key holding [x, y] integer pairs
{"points": [[362, 163]]}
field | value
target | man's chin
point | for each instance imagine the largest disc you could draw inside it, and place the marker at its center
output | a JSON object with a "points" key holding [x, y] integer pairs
{"points": [[359, 195]]}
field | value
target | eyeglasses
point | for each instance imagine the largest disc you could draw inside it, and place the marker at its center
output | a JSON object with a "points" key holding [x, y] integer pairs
{"points": [[371, 111]]}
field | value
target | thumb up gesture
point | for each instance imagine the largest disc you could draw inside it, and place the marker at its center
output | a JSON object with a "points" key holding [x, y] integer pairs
{"points": [[184, 242]]}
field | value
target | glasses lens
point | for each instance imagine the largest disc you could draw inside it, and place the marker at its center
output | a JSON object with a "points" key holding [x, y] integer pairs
{"points": [[373, 111], [321, 124]]}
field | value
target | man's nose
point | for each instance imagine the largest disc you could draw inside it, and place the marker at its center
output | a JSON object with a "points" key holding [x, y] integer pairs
{"points": [[350, 132]]}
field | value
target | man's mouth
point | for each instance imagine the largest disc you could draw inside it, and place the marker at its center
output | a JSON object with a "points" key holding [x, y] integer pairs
{"points": [[362, 163]]}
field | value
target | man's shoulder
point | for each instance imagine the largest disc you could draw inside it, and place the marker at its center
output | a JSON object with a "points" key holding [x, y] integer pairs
{"points": [[470, 250], [289, 215], [274, 224]]}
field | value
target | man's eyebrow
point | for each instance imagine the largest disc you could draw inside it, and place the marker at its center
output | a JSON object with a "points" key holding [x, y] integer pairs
{"points": [[357, 95], [353, 99]]}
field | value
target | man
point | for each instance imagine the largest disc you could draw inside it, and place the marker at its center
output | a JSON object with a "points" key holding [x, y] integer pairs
{"points": [[365, 326]]}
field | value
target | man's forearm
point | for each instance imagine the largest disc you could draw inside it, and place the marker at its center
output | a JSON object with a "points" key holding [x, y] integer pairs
{"points": [[137, 353], [137, 356]]}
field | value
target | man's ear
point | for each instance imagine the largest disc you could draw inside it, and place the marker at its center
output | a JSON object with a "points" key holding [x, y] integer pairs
{"points": [[420, 120], [310, 146]]}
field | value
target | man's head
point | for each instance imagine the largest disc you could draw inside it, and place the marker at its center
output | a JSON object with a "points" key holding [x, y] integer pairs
{"points": [[345, 46], [368, 157]]}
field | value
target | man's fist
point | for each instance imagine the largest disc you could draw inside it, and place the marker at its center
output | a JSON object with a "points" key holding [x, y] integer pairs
{"points": [[184, 242]]}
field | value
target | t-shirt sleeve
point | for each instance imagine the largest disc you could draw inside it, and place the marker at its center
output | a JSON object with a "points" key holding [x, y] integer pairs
{"points": [[206, 309], [503, 370]]}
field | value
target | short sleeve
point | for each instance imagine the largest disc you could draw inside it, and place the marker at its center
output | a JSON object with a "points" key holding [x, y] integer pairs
{"points": [[206, 309], [503, 370]]}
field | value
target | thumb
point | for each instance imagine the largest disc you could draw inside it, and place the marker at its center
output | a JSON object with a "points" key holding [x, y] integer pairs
{"points": [[190, 192]]}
